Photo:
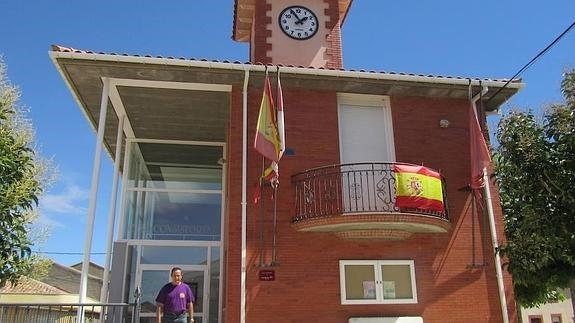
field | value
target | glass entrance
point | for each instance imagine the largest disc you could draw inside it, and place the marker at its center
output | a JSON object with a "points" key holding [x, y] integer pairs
{"points": [[151, 278], [172, 211]]}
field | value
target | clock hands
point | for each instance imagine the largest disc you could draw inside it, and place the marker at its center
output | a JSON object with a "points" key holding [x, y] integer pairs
{"points": [[296, 16], [299, 20]]}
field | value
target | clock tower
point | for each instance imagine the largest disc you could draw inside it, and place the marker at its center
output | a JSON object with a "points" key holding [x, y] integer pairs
{"points": [[292, 32]]}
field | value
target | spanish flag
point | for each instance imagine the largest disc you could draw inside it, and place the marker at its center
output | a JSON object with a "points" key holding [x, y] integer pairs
{"points": [[270, 136], [267, 140], [418, 187]]}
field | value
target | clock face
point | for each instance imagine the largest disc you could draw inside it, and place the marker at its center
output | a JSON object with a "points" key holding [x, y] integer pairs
{"points": [[298, 22]]}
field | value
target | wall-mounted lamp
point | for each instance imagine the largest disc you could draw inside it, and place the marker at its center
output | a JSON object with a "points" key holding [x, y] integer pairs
{"points": [[444, 123]]}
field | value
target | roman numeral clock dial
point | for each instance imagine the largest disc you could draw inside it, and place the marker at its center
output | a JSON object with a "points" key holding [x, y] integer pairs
{"points": [[298, 22]]}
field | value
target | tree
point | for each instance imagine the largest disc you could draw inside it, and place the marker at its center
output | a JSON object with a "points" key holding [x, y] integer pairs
{"points": [[535, 171], [22, 179]]}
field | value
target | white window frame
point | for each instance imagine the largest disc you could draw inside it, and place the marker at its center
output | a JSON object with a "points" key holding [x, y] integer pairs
{"points": [[379, 299]]}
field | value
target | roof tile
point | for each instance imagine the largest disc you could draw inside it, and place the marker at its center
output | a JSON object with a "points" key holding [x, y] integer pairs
{"points": [[27, 285]]}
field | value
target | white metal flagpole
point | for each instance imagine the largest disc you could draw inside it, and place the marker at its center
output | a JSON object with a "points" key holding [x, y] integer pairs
{"points": [[498, 271]]}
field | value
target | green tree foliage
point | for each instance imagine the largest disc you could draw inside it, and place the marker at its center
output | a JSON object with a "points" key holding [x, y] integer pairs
{"points": [[535, 170], [21, 182]]}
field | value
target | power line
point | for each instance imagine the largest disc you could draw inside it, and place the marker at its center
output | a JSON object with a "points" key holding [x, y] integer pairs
{"points": [[526, 66], [66, 253]]}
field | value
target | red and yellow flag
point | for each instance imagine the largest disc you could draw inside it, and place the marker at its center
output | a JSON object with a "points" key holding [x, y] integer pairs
{"points": [[269, 175], [270, 136], [418, 187], [480, 157], [267, 141]]}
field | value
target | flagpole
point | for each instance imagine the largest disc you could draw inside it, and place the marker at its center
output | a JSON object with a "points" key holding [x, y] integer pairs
{"points": [[498, 271], [275, 185], [275, 195], [261, 215], [473, 215]]}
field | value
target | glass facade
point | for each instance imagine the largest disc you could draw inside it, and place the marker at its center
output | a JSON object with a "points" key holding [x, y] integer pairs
{"points": [[172, 216], [170, 200]]}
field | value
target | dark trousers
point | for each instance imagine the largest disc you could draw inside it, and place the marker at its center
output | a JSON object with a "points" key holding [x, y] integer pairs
{"points": [[175, 318]]}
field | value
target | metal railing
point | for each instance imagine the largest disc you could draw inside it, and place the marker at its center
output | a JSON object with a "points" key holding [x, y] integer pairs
{"points": [[68, 313], [346, 189]]}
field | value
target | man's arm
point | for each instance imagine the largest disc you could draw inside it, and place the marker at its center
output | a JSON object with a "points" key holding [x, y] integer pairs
{"points": [[159, 312], [191, 311]]}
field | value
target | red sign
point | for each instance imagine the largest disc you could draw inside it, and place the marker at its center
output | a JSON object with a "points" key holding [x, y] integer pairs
{"points": [[267, 275]]}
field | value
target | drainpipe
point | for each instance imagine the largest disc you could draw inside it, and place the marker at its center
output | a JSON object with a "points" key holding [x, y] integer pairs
{"points": [[244, 193], [490, 214]]}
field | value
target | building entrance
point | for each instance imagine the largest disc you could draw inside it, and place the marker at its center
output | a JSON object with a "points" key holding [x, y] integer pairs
{"points": [[172, 211], [151, 278]]}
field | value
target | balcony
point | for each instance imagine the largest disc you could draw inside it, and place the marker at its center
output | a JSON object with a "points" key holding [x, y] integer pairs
{"points": [[358, 201]]}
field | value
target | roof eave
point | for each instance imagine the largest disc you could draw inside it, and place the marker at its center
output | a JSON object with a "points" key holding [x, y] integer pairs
{"points": [[63, 53]]}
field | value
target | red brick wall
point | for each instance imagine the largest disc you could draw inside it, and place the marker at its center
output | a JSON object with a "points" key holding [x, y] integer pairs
{"points": [[306, 286], [333, 51], [259, 41]]}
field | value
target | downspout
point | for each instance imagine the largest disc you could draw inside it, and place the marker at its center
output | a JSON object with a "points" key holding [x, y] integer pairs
{"points": [[490, 214], [244, 194]]}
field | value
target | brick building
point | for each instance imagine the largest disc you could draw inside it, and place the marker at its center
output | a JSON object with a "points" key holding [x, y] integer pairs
{"points": [[333, 246]]}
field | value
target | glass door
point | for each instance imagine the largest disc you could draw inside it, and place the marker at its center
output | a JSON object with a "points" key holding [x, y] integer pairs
{"points": [[151, 278]]}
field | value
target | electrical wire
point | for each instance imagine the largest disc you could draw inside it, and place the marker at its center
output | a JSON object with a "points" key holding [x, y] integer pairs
{"points": [[66, 253], [532, 61]]}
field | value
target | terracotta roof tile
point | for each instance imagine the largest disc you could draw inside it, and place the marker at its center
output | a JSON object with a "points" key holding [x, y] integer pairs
{"points": [[31, 286]]}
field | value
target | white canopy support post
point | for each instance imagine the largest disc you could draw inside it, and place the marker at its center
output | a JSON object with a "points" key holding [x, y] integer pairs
{"points": [[244, 194], [498, 271], [112, 210], [127, 158], [93, 198]]}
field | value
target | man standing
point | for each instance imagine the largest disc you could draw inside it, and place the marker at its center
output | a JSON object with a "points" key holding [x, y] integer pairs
{"points": [[175, 301]]}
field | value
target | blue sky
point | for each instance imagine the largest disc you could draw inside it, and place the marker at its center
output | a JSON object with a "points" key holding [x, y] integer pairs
{"points": [[485, 39]]}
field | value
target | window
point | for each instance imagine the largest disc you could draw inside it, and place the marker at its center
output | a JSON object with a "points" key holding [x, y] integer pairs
{"points": [[556, 318], [365, 128], [377, 282], [535, 319], [173, 191]]}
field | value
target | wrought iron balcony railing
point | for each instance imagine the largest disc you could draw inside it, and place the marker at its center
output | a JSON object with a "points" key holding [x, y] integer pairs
{"points": [[348, 189]]}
